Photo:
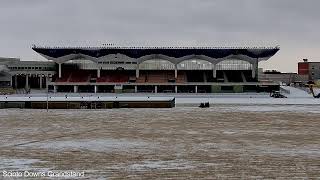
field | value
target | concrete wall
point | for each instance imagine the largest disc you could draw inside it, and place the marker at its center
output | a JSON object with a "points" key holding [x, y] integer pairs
{"points": [[283, 77]]}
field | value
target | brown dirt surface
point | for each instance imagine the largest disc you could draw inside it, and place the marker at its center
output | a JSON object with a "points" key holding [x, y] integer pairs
{"points": [[178, 143]]}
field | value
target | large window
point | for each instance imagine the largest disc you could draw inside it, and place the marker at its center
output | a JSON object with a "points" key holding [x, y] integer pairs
{"points": [[234, 65], [195, 64], [157, 64], [83, 64]]}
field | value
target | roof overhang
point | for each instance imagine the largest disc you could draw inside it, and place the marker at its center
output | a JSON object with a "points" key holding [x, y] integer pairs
{"points": [[62, 54]]}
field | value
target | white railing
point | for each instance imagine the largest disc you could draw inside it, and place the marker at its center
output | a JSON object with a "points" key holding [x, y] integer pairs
{"points": [[165, 65]]}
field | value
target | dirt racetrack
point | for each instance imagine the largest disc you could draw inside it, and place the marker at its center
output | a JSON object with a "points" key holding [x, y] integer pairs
{"points": [[228, 142]]}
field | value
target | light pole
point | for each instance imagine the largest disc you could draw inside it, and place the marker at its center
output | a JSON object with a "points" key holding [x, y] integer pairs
{"points": [[47, 98]]}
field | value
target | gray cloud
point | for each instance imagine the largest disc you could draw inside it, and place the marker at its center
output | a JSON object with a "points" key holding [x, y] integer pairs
{"points": [[293, 24]]}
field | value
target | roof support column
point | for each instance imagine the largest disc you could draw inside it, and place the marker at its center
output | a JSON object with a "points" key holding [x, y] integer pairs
{"points": [[40, 81], [214, 71], [55, 88], [11, 81], [16, 81], [254, 68], [98, 72], [75, 89], [59, 70], [27, 81], [137, 71], [46, 80], [175, 71]]}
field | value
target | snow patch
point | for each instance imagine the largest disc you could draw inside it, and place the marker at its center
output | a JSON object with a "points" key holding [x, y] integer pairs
{"points": [[298, 151], [161, 165], [19, 164], [295, 92], [98, 145]]}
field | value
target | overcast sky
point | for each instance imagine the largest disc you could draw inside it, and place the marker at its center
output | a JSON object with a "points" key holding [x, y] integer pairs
{"points": [[292, 24]]}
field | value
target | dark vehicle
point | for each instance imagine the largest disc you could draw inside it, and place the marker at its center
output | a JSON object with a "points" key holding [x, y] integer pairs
{"points": [[204, 105], [277, 94]]}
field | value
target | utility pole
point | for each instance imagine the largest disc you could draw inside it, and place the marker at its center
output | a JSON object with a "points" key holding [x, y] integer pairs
{"points": [[47, 98]]}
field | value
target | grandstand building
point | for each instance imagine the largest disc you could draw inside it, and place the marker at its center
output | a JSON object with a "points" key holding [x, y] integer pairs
{"points": [[139, 69]]}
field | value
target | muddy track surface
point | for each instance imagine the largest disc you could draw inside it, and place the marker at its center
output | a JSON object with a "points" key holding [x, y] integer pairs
{"points": [[179, 143]]}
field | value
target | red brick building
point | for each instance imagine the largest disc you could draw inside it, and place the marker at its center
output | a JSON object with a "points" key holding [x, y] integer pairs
{"points": [[312, 69]]}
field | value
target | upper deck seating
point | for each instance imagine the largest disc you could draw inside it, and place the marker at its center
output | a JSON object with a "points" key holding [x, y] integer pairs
{"points": [[79, 76], [64, 78], [113, 77], [155, 77], [195, 76], [142, 78], [234, 76], [132, 79], [182, 77]]}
